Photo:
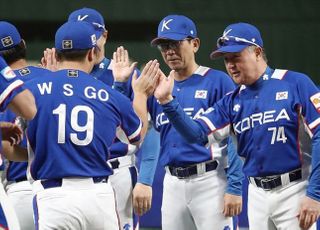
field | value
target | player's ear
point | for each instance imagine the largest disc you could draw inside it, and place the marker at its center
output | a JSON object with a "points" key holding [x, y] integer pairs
{"points": [[91, 55], [196, 44]]}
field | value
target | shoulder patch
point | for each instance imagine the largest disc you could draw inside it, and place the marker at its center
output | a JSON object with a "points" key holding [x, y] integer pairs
{"points": [[24, 71], [202, 70], [279, 74], [73, 73], [315, 100]]}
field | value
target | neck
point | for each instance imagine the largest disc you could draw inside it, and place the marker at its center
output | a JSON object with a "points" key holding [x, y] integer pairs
{"points": [[185, 73], [259, 71], [21, 63], [83, 66]]}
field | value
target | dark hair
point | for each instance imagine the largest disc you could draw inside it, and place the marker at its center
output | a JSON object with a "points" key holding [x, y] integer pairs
{"points": [[71, 55], [15, 53]]}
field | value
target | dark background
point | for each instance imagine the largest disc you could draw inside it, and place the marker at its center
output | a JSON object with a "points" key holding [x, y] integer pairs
{"points": [[290, 28]]}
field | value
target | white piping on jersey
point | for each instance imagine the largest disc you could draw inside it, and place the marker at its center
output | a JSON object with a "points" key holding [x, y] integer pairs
{"points": [[136, 133], [208, 122], [313, 124], [279, 73], [202, 70], [9, 89], [110, 66]]}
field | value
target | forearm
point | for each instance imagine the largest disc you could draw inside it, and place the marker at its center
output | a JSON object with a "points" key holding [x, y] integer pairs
{"points": [[234, 171], [187, 127], [149, 153], [140, 107]]}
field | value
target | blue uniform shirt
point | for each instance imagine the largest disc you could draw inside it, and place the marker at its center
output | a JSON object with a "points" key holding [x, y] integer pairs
{"points": [[81, 116], [195, 94], [267, 119], [16, 171]]}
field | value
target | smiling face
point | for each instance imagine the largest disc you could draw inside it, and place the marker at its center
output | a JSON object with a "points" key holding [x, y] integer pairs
{"points": [[246, 66], [179, 55]]}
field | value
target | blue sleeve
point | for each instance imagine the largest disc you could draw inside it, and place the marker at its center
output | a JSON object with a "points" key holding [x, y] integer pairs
{"points": [[122, 88], [188, 128], [313, 189], [234, 171], [149, 152]]}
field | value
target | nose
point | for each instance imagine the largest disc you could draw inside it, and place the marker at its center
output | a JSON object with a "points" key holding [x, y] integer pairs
{"points": [[169, 51]]}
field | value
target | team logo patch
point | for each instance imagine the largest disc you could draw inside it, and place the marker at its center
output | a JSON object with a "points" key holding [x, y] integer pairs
{"points": [[265, 77], [315, 99], [73, 73], [8, 73], [201, 94], [24, 71], [236, 107], [67, 44], [282, 95], [7, 41]]}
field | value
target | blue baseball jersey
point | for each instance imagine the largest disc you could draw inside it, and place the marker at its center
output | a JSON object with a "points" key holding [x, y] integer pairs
{"points": [[16, 171], [10, 85], [195, 94], [76, 123], [268, 119], [103, 72]]}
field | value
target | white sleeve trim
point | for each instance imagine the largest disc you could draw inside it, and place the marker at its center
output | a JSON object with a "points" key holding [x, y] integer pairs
{"points": [[9, 89]]}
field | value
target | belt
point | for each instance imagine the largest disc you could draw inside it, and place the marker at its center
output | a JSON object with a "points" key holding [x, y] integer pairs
{"points": [[20, 179], [196, 169], [52, 183], [271, 182], [115, 164], [123, 161]]}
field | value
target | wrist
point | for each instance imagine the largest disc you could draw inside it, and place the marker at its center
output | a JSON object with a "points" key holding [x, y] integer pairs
{"points": [[165, 100]]}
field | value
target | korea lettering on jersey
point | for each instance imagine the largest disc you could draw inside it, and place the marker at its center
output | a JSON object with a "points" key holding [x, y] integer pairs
{"points": [[195, 94], [81, 116], [266, 118]]}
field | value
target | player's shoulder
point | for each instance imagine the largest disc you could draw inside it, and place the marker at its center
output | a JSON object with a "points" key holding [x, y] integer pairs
{"points": [[289, 75], [32, 71]]}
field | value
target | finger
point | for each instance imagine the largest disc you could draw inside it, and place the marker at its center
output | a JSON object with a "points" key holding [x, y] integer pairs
{"points": [[114, 56], [133, 66], [125, 56], [146, 68], [121, 53], [53, 56]]}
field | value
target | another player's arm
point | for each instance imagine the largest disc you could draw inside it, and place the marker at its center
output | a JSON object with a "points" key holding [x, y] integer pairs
{"points": [[22, 101], [11, 136]]}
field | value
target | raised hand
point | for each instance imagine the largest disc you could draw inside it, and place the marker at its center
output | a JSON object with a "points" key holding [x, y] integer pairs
{"points": [[122, 69], [49, 61], [163, 91], [148, 79]]}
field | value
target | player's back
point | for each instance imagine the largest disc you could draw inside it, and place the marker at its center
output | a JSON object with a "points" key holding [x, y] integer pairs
{"points": [[75, 124]]}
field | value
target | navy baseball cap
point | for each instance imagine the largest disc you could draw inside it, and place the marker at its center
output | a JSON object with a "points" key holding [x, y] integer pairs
{"points": [[175, 27], [91, 16], [75, 36], [9, 35], [236, 37]]}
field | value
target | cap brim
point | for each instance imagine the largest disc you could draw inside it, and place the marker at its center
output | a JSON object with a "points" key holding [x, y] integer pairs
{"points": [[176, 37], [227, 49]]}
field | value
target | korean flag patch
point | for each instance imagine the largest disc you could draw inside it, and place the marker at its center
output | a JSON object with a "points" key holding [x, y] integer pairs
{"points": [[315, 99], [201, 94]]}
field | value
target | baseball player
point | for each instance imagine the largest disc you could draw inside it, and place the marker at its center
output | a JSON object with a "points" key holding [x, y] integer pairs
{"points": [[122, 156], [82, 115], [269, 114], [195, 190], [18, 188]]}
